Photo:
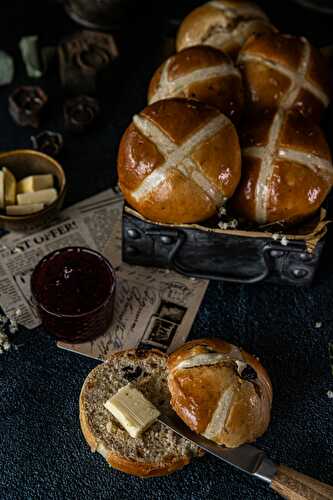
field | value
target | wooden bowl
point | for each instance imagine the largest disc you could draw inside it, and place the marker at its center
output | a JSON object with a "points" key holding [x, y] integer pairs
{"points": [[24, 162]]}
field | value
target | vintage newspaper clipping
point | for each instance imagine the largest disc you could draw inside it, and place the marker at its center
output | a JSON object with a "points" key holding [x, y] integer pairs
{"points": [[153, 307]]}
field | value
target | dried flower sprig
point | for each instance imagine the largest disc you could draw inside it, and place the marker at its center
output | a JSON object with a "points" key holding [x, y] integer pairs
{"points": [[8, 327]]}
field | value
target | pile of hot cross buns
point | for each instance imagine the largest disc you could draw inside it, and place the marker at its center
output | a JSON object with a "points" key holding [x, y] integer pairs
{"points": [[232, 117]]}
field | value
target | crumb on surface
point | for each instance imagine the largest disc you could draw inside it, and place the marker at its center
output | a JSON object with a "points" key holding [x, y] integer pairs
{"points": [[330, 394], [318, 324]]}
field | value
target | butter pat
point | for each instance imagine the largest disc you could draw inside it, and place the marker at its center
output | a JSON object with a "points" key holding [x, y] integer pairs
{"points": [[24, 209], [46, 196], [134, 412], [35, 183], [10, 187]]}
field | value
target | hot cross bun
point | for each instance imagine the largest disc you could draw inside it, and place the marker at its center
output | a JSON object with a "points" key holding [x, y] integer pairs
{"points": [[201, 73], [285, 71], [179, 161], [220, 391], [223, 24], [286, 170]]}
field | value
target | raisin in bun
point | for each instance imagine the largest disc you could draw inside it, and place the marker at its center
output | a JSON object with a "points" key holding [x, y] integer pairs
{"points": [[220, 391], [158, 451], [286, 171], [285, 71], [179, 161], [223, 24], [201, 73]]}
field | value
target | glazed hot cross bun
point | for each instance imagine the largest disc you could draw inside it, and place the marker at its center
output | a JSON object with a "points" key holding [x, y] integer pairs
{"points": [[286, 170], [220, 391], [223, 24], [179, 161], [285, 71], [201, 73]]}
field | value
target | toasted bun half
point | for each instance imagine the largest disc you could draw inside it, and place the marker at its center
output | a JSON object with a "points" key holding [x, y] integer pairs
{"points": [[159, 451]]}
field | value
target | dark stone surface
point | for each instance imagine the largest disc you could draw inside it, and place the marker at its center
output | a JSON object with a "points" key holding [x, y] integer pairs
{"points": [[42, 452]]}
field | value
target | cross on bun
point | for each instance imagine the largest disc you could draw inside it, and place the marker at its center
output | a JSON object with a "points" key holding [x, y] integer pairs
{"points": [[179, 161], [285, 71], [220, 391], [201, 73], [286, 171], [224, 24]]}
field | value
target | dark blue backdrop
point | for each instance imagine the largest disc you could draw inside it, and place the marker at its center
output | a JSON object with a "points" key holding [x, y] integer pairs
{"points": [[42, 453]]}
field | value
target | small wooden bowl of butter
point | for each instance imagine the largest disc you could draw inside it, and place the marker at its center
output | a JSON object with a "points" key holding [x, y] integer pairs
{"points": [[32, 189]]}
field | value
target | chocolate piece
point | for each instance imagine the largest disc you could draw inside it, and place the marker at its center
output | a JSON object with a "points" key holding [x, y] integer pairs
{"points": [[81, 57], [80, 113], [30, 55], [26, 104], [48, 142], [6, 68]]}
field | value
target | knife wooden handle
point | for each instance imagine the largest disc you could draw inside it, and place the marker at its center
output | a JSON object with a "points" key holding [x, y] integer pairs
{"points": [[295, 486]]}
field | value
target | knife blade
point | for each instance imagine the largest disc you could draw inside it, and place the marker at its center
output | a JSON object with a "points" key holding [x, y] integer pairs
{"points": [[247, 458]]}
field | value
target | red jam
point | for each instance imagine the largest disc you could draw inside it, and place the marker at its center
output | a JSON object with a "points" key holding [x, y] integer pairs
{"points": [[74, 291]]}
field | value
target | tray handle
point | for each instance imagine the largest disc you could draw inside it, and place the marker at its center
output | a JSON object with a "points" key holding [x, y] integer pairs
{"points": [[176, 266]]}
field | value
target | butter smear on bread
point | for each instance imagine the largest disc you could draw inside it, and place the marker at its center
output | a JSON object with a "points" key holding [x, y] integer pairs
{"points": [[133, 411]]}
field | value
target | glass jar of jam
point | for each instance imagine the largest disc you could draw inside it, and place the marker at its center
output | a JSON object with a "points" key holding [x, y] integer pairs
{"points": [[73, 289]]}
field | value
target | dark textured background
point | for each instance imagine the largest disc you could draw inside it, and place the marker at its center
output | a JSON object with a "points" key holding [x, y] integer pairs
{"points": [[42, 452]]}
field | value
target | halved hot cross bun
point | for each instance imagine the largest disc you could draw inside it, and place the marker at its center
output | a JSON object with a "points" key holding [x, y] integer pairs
{"points": [[220, 391], [179, 161]]}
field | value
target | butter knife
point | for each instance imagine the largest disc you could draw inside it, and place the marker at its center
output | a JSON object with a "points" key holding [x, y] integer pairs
{"points": [[285, 481]]}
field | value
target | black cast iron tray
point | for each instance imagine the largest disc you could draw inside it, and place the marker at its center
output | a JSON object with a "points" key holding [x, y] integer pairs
{"points": [[210, 253]]}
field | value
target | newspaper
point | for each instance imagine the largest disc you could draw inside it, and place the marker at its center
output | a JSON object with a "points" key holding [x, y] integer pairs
{"points": [[153, 307]]}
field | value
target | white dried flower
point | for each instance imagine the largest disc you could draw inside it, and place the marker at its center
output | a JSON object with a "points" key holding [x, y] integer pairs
{"points": [[330, 394], [12, 326], [284, 241], [6, 345], [8, 326], [231, 224], [222, 211], [275, 236], [3, 320]]}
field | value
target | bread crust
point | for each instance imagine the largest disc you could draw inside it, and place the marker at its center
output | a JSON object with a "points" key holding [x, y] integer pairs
{"points": [[297, 168], [117, 461], [198, 27], [196, 391], [274, 63], [205, 164], [186, 75]]}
